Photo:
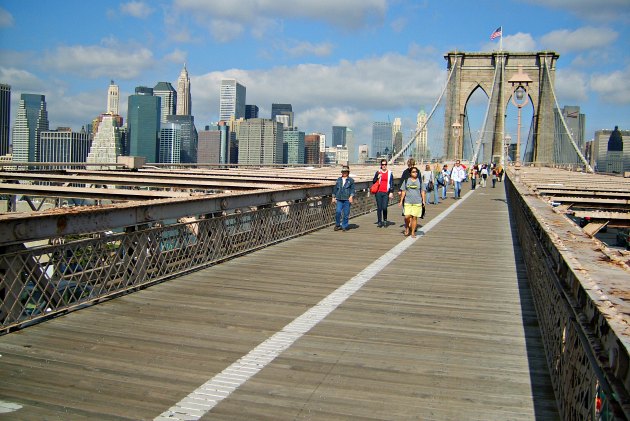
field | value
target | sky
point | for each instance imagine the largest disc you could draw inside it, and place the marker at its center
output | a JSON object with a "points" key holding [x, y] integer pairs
{"points": [[338, 62]]}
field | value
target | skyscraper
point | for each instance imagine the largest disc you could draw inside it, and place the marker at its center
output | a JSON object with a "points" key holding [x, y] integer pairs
{"points": [[382, 138], [170, 143], [143, 124], [311, 148], [5, 117], [422, 147], [284, 110], [564, 153], [293, 146], [64, 145], [188, 137], [113, 98], [232, 100], [168, 98], [351, 146], [107, 143], [30, 121], [251, 111], [338, 135], [260, 142], [396, 135], [183, 106]]}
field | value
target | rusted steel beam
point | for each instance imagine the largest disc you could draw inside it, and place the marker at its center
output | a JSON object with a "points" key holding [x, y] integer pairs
{"points": [[19, 228]]}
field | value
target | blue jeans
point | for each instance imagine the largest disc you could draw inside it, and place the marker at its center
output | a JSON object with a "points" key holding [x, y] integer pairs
{"points": [[342, 212], [458, 188], [436, 190], [382, 201], [444, 187]]}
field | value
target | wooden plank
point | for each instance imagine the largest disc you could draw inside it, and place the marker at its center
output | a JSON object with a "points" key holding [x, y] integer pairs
{"points": [[447, 331]]}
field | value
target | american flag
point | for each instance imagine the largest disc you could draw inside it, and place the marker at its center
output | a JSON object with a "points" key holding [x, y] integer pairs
{"points": [[497, 33]]}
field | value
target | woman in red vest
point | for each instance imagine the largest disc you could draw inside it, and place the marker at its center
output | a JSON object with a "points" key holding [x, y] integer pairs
{"points": [[385, 192]]}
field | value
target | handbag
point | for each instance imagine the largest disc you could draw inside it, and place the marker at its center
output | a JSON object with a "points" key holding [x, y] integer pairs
{"points": [[374, 188], [430, 186]]}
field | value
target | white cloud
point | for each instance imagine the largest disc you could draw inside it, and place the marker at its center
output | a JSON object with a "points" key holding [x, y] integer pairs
{"points": [[6, 18], [298, 49], [347, 93], [599, 10], [95, 61], [519, 42], [613, 87], [398, 25], [257, 14], [176, 56], [21, 80], [564, 41], [224, 30], [136, 9], [571, 87]]}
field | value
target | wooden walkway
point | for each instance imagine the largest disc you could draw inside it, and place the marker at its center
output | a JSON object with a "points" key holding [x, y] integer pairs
{"points": [[447, 331]]}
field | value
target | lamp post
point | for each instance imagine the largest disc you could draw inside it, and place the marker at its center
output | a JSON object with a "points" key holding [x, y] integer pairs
{"points": [[456, 129], [519, 82], [507, 141]]}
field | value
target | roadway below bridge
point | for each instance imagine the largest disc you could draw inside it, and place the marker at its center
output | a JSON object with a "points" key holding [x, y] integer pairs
{"points": [[363, 324]]}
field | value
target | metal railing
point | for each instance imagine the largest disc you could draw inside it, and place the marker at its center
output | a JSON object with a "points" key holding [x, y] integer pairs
{"points": [[584, 386], [96, 258]]}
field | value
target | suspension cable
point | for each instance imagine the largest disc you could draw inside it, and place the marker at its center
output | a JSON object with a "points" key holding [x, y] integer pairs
{"points": [[564, 123], [418, 131]]}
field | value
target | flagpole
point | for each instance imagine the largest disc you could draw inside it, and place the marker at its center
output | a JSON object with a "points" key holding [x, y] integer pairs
{"points": [[501, 40]]}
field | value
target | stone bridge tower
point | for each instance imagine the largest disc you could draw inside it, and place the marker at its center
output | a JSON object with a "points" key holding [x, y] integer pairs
{"points": [[485, 70]]}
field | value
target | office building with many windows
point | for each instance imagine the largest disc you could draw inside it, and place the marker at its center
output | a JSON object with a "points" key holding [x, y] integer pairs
{"points": [[251, 111], [107, 143], [232, 98], [168, 99], [339, 135], [311, 148], [260, 142], [184, 102], [113, 98], [5, 117], [284, 110], [189, 137], [143, 123], [31, 119], [293, 146], [64, 145], [170, 143], [382, 144]]}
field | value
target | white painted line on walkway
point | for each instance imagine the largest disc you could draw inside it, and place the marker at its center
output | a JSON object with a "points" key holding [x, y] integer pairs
{"points": [[205, 397]]}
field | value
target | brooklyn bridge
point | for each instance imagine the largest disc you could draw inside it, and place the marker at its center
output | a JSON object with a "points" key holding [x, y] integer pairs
{"points": [[219, 292]]}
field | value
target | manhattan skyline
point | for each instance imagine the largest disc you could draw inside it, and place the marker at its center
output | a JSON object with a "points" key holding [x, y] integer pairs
{"points": [[338, 63]]}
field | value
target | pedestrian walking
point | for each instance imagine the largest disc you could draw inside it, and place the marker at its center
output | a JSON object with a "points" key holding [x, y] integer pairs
{"points": [[458, 174], [494, 177], [385, 192], [484, 174], [405, 175], [445, 177], [474, 173], [428, 181], [413, 195], [343, 194]]}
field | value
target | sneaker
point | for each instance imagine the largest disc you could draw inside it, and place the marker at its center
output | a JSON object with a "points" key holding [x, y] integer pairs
{"points": [[386, 224], [380, 225], [337, 227]]}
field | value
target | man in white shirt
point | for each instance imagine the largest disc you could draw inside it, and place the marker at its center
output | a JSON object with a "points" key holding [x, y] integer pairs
{"points": [[458, 174]]}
